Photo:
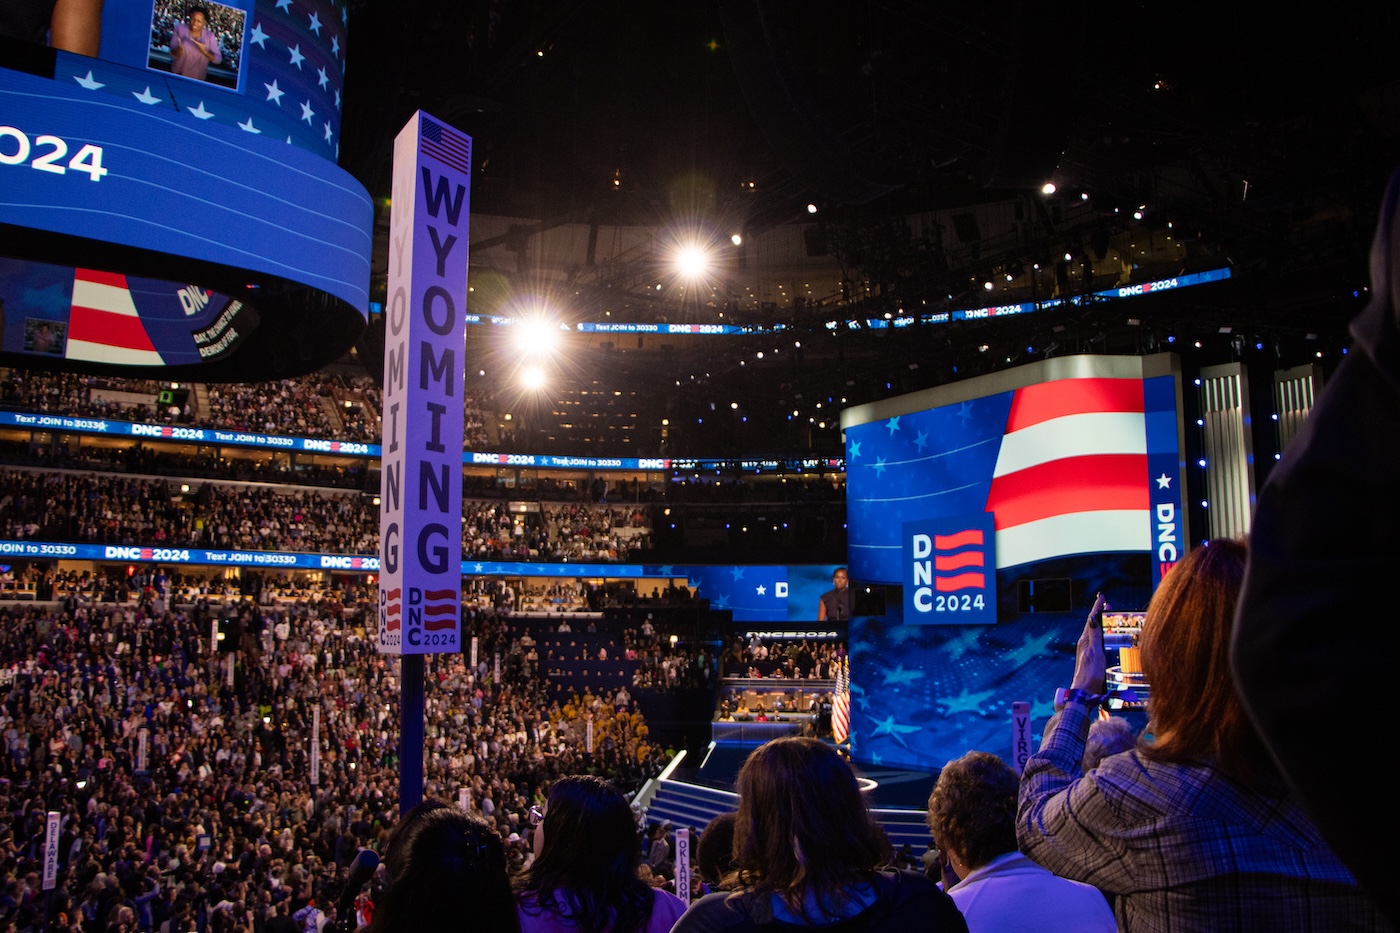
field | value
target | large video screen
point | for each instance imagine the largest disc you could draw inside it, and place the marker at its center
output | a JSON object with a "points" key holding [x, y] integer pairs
{"points": [[952, 489], [1000, 506], [181, 142]]}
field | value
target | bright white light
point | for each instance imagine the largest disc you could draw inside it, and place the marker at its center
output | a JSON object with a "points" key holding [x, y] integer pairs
{"points": [[1048, 188], [532, 378], [988, 285], [692, 262], [536, 336], [811, 208], [736, 239]]}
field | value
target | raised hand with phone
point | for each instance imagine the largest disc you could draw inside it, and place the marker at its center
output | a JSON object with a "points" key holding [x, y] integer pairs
{"points": [[1090, 661]]}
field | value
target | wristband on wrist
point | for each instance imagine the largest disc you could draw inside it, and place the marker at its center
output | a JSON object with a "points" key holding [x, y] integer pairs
{"points": [[1075, 695]]}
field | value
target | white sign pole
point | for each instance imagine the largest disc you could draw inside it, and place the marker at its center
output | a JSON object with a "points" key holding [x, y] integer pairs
{"points": [[315, 746], [683, 864], [51, 851]]}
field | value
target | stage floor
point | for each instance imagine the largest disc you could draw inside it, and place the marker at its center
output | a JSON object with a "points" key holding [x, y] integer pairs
{"points": [[895, 788]]}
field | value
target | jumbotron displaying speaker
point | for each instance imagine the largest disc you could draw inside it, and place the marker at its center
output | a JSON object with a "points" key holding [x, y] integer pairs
{"points": [[172, 206]]}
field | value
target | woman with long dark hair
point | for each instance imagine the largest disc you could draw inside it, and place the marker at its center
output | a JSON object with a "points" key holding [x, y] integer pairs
{"points": [[447, 872], [584, 876], [809, 854]]}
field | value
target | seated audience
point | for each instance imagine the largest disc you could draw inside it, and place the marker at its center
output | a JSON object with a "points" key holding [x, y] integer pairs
{"points": [[972, 815], [809, 854], [1195, 830]]}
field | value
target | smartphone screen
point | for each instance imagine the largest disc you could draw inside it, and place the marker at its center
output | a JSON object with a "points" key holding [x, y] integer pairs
{"points": [[1096, 627]]}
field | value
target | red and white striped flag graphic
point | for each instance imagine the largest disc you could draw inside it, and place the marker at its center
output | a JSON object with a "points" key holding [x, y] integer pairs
{"points": [[104, 326], [841, 703], [1069, 473]]}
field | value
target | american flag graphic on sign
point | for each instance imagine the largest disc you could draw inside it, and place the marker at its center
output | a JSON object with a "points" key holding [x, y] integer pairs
{"points": [[439, 610], [958, 560], [446, 145]]}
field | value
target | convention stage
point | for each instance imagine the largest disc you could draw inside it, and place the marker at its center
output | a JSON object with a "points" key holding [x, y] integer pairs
{"points": [[895, 788]]}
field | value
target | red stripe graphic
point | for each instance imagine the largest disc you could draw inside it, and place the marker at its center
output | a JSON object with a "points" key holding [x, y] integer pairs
{"points": [[962, 581], [104, 327], [395, 593], [114, 279], [961, 539], [959, 561], [1075, 484], [1047, 400], [437, 625], [392, 610], [439, 594], [440, 610]]}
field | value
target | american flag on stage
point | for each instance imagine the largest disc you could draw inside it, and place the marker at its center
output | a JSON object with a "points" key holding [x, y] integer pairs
{"points": [[104, 326], [841, 703], [446, 145]]}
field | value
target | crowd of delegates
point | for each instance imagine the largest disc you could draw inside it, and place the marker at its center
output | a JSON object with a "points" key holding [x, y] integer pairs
{"points": [[581, 532], [800, 659], [81, 395], [294, 407], [224, 829], [116, 509]]}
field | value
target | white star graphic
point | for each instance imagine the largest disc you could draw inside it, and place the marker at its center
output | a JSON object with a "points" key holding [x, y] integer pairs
{"points": [[1164, 481], [323, 79], [762, 590], [257, 36], [284, 5], [328, 131], [337, 100], [88, 82], [101, 425], [335, 46], [316, 23], [248, 126], [274, 93], [200, 112], [146, 97], [307, 113], [345, 14], [297, 57]]}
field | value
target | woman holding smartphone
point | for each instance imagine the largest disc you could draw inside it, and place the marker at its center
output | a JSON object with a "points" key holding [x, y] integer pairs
{"points": [[1194, 829]]}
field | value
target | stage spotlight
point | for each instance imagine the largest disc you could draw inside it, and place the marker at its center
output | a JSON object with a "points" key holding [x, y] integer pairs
{"points": [[536, 336], [692, 262], [737, 240], [1048, 188], [531, 378]]}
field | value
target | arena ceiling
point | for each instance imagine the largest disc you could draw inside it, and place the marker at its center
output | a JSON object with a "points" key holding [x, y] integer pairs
{"points": [[1246, 142]]}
